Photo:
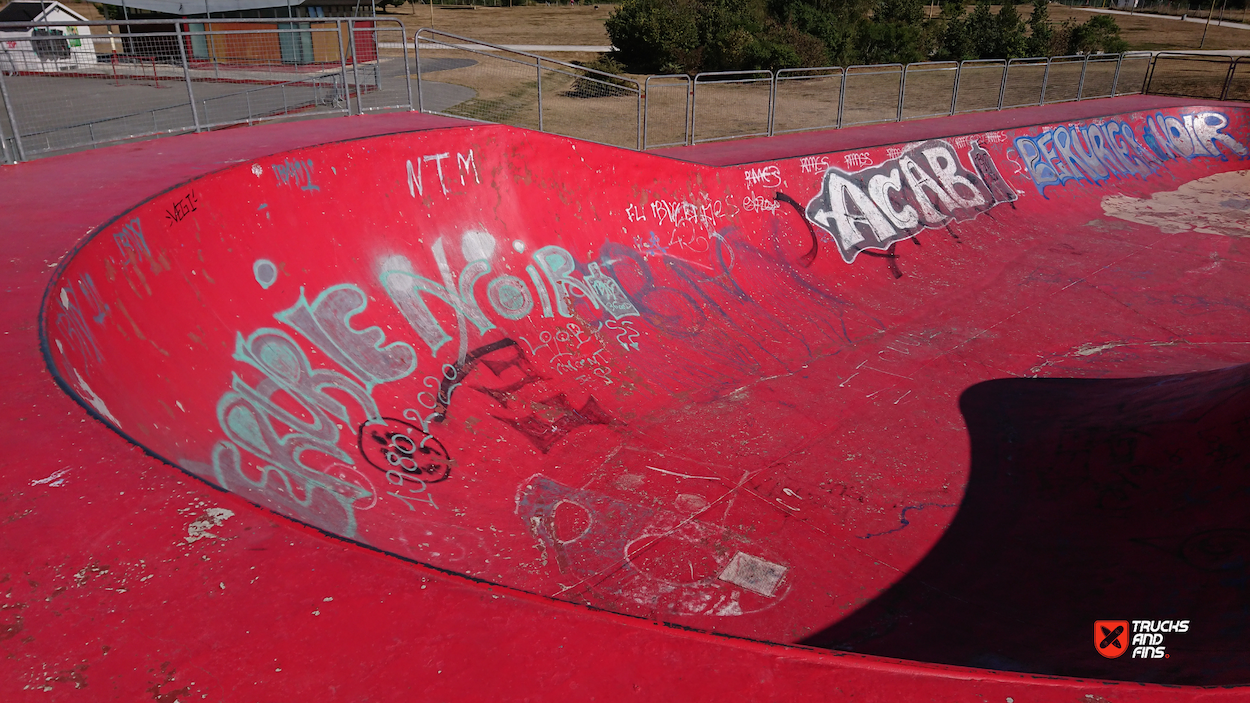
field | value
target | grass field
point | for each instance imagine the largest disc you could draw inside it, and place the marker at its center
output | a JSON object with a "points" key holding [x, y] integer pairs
{"points": [[582, 25]]}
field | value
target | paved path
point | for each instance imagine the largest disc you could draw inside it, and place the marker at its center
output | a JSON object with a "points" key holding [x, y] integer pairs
{"points": [[1198, 20], [531, 48]]}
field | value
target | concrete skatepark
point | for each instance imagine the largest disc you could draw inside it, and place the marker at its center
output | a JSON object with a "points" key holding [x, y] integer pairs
{"points": [[402, 405]]}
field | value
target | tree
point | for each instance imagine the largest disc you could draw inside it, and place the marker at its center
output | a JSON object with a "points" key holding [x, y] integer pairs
{"points": [[1011, 42], [835, 23], [956, 43], [1041, 35], [689, 36], [1098, 34], [894, 34], [982, 31], [655, 35]]}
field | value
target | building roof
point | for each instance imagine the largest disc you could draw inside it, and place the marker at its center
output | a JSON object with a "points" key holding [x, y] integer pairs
{"points": [[25, 11], [195, 7]]}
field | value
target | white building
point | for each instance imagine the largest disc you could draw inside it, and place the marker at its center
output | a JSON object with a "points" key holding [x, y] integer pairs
{"points": [[51, 48]]}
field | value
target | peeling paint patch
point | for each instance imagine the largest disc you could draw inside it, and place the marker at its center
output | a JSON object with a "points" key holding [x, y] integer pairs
{"points": [[754, 574], [212, 518], [56, 479], [1213, 205], [90, 396]]}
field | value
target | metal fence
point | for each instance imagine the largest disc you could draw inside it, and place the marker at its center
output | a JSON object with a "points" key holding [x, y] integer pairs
{"points": [[527, 90], [1199, 76], [110, 81], [832, 97], [104, 82]]}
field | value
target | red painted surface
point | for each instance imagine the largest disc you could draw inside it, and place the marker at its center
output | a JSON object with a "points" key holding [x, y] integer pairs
{"points": [[721, 424]]}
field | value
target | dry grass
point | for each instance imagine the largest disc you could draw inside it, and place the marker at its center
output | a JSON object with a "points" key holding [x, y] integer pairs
{"points": [[578, 26], [1154, 33], [506, 88]]}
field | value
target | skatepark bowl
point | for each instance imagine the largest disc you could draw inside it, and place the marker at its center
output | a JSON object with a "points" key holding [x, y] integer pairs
{"points": [[468, 412]]}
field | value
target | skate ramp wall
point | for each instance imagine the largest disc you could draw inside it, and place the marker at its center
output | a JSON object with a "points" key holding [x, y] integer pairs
{"points": [[948, 401]]}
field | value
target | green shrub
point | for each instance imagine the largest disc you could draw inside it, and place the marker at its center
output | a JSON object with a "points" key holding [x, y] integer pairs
{"points": [[596, 85], [1098, 34]]}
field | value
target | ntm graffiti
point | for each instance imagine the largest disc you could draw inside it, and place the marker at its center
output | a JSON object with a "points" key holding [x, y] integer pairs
{"points": [[926, 186], [1096, 152]]}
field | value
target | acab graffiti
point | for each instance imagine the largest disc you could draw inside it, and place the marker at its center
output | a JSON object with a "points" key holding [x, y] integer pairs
{"points": [[925, 187]]}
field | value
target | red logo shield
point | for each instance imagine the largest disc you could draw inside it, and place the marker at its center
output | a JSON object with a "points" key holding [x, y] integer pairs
{"points": [[1111, 637]]}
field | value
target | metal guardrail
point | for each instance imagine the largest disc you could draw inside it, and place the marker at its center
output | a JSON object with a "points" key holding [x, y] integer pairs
{"points": [[68, 87], [1182, 70], [664, 86], [527, 90], [897, 92], [740, 87], [788, 110], [146, 78]]}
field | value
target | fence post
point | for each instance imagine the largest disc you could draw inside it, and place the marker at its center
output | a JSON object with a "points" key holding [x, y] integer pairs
{"points": [[351, 40], [1150, 74], [17, 133], [1115, 80], [694, 108], [416, 50], [407, 73], [1228, 79], [1080, 87], [347, 97], [186, 75], [646, 109], [955, 91], [902, 92], [1045, 81], [772, 102], [1002, 85], [841, 98], [538, 68], [639, 118]]}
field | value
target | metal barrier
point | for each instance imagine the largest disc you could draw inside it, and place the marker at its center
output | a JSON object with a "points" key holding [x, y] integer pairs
{"points": [[1134, 69], [875, 102], [979, 85], [1233, 90], [113, 81], [924, 84], [660, 91], [737, 96], [804, 96], [1192, 75], [490, 83], [109, 81]]}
